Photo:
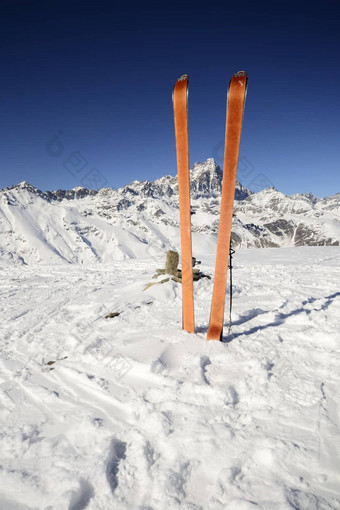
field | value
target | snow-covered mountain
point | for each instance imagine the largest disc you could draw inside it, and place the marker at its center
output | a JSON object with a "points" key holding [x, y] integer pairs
{"points": [[142, 220]]}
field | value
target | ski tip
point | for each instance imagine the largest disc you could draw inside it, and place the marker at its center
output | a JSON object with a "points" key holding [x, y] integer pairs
{"points": [[181, 83], [240, 74], [183, 77], [241, 79]]}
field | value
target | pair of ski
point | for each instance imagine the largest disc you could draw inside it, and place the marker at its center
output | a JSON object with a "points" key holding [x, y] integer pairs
{"points": [[235, 108]]}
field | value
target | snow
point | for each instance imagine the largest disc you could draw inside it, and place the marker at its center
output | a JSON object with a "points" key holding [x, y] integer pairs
{"points": [[135, 413], [141, 220]]}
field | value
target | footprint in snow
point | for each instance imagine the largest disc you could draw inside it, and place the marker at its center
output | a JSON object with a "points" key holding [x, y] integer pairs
{"points": [[81, 498], [117, 453]]}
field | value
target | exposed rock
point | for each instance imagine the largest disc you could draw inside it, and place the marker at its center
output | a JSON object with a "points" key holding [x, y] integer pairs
{"points": [[171, 268], [171, 264], [281, 227], [148, 285], [111, 315]]}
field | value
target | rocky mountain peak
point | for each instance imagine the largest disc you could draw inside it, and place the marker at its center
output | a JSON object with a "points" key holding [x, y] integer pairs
{"points": [[24, 185], [206, 178]]}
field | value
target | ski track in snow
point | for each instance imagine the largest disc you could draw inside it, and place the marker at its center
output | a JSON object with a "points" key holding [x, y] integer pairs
{"points": [[132, 412]]}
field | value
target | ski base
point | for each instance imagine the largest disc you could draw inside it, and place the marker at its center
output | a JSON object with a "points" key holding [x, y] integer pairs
{"points": [[235, 108], [180, 98]]}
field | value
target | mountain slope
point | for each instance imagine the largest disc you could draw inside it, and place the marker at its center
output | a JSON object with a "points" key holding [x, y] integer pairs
{"points": [[141, 219]]}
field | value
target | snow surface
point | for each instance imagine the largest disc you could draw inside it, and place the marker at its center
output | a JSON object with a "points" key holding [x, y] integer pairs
{"points": [[135, 413]]}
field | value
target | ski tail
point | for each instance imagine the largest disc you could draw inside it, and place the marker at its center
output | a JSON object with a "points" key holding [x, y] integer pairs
{"points": [[235, 110], [180, 105]]}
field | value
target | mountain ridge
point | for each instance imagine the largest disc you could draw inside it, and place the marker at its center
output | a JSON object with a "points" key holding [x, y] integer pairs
{"points": [[141, 219]]}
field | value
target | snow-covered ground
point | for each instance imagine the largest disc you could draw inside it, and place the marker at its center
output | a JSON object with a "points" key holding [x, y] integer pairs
{"points": [[131, 412]]}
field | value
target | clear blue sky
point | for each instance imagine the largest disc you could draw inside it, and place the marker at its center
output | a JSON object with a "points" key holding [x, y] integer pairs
{"points": [[99, 75]]}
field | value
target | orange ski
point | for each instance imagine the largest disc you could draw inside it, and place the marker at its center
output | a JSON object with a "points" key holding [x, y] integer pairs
{"points": [[235, 107], [180, 104]]}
